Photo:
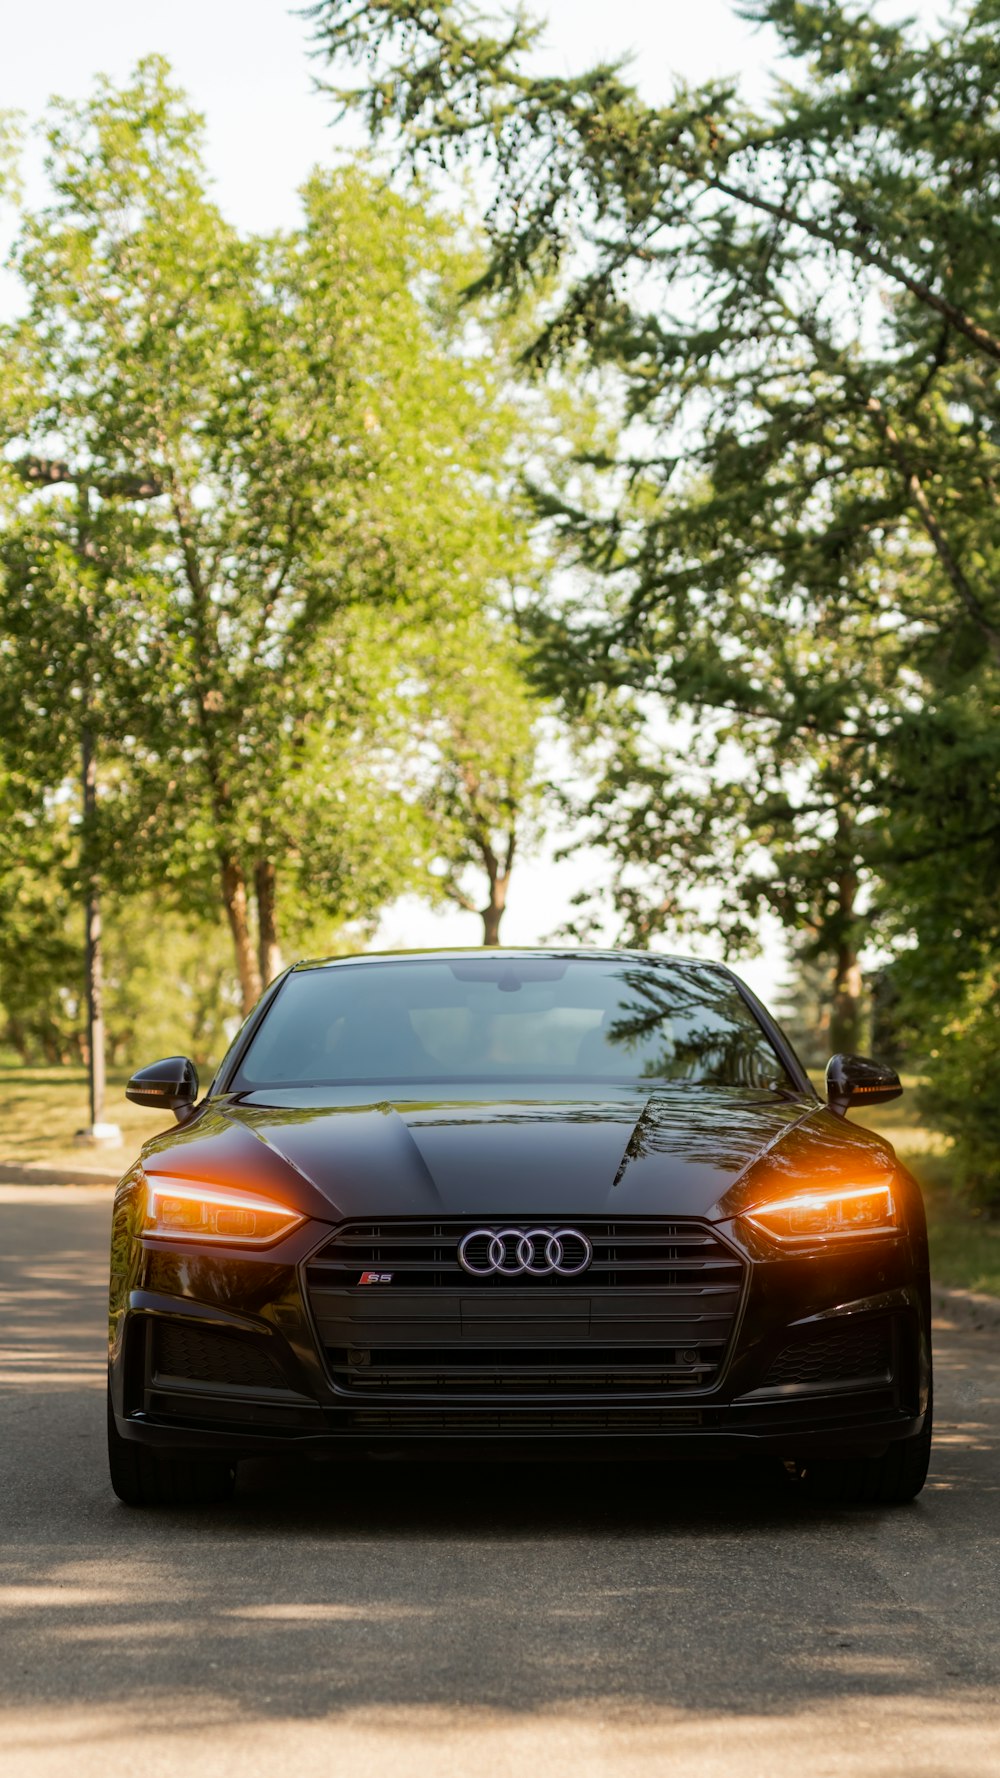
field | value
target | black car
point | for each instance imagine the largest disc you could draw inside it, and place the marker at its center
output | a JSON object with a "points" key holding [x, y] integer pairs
{"points": [[517, 1203]]}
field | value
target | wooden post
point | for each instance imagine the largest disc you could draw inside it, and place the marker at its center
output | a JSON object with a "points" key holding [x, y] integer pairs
{"points": [[98, 1132], [92, 932]]}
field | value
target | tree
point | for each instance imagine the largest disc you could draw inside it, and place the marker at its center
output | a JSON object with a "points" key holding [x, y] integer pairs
{"points": [[963, 1094], [762, 806], [10, 145], [482, 786], [317, 446], [801, 311], [61, 688], [148, 1010], [40, 964]]}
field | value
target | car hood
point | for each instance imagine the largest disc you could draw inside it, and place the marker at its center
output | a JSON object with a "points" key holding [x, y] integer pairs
{"points": [[680, 1150]]}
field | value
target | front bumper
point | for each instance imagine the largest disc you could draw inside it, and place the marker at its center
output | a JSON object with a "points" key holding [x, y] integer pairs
{"points": [[829, 1426], [274, 1391]]}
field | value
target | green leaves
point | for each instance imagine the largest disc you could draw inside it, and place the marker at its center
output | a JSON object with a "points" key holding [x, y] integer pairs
{"points": [[793, 606], [253, 479]]}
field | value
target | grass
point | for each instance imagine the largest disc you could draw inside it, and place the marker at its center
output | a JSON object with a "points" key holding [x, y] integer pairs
{"points": [[40, 1108]]}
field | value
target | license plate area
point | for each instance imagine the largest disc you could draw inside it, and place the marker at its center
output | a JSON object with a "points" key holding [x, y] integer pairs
{"points": [[525, 1317]]}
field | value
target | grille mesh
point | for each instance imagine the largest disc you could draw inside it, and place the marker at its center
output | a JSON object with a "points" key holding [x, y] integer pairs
{"points": [[841, 1357], [424, 1255], [201, 1355]]}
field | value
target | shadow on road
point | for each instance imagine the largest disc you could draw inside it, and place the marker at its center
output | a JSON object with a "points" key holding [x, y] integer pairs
{"points": [[620, 1593]]}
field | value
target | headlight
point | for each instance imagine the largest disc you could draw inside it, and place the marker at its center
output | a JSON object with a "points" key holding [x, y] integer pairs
{"points": [[812, 1219], [179, 1210]]}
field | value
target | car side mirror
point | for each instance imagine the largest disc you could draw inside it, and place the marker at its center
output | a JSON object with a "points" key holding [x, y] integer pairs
{"points": [[171, 1085], [857, 1080]]}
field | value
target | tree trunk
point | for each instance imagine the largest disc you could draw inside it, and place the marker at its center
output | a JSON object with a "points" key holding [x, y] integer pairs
{"points": [[92, 933], [268, 947], [234, 897], [208, 652], [498, 874], [492, 915], [846, 1011], [845, 1019]]}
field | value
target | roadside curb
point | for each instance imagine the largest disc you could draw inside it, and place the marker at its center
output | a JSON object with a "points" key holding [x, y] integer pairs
{"points": [[967, 1308], [43, 1173]]}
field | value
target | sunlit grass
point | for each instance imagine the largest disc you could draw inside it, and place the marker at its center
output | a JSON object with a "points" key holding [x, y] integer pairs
{"points": [[42, 1108], [902, 1123]]}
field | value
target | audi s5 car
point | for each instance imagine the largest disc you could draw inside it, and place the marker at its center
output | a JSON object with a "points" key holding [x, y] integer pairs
{"points": [[516, 1204]]}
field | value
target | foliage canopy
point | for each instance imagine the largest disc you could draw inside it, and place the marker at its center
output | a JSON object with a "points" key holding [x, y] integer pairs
{"points": [[798, 542], [247, 480]]}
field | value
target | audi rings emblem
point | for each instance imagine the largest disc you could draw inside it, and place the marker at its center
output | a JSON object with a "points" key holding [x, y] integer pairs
{"points": [[514, 1252]]}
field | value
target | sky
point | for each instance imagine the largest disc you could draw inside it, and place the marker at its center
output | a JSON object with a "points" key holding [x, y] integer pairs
{"points": [[245, 64]]}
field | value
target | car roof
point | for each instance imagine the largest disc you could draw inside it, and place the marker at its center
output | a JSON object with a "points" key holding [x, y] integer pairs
{"points": [[570, 952]]}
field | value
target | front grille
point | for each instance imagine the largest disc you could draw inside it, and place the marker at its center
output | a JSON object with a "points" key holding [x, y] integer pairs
{"points": [[845, 1356], [200, 1355], [514, 1421], [653, 1313], [424, 1255], [497, 1371]]}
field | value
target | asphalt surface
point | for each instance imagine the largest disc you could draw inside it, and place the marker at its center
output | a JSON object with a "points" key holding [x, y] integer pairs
{"points": [[393, 1619]]}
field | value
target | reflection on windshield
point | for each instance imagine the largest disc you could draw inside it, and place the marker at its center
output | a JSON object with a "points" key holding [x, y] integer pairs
{"points": [[490, 1019], [680, 1037]]}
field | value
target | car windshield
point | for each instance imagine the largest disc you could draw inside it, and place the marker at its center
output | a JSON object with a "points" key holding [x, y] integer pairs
{"points": [[508, 1018]]}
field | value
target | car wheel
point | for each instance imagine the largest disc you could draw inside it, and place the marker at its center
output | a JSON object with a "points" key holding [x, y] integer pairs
{"points": [[141, 1477], [889, 1480]]}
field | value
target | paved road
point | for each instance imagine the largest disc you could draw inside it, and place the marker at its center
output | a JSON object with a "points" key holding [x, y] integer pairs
{"points": [[542, 1622]]}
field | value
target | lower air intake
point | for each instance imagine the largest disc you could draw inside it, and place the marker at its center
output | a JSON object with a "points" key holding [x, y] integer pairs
{"points": [[200, 1355], [850, 1355]]}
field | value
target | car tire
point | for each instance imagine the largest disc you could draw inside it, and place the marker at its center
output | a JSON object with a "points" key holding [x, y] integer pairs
{"points": [[141, 1477], [890, 1480]]}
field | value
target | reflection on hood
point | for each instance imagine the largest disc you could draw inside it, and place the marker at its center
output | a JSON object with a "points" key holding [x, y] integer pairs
{"points": [[679, 1150]]}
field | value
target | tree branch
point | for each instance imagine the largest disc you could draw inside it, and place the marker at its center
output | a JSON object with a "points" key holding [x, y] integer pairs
{"points": [[856, 247], [454, 893], [47, 472], [933, 528], [841, 365]]}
